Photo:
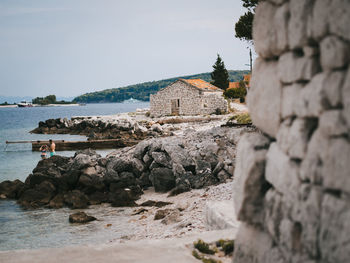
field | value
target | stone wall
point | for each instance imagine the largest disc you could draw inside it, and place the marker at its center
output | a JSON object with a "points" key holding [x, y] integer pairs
{"points": [[292, 180], [192, 100]]}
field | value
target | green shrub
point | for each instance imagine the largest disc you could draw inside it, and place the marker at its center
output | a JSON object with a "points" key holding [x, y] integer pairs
{"points": [[243, 118], [203, 247]]}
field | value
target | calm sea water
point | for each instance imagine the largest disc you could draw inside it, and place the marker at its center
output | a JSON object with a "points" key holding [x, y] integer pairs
{"points": [[46, 227]]}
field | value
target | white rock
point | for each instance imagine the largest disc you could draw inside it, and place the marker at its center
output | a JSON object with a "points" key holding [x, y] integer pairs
{"points": [[319, 20], [249, 177], [293, 139], [332, 124], [297, 26], [335, 229], [220, 215], [281, 29], [294, 68], [264, 33], [264, 97], [335, 53], [290, 97], [281, 172], [339, 18], [336, 165], [346, 98], [331, 88]]}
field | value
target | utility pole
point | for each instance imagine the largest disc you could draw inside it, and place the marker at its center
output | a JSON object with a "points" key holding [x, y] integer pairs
{"points": [[250, 55]]}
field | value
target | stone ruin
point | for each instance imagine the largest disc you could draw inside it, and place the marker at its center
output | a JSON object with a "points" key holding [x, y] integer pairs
{"points": [[292, 180]]}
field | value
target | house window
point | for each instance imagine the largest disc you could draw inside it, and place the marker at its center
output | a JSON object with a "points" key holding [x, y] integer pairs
{"points": [[178, 103]]}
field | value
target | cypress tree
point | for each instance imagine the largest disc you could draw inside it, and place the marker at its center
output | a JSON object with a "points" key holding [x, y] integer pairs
{"points": [[220, 75]]}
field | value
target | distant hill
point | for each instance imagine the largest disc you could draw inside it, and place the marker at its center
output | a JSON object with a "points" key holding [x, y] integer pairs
{"points": [[143, 90]]}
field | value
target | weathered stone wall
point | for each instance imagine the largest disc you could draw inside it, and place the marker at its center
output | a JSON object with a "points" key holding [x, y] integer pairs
{"points": [[192, 100], [292, 181]]}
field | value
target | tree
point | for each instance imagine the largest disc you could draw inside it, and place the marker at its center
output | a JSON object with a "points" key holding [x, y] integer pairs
{"points": [[237, 93], [219, 75], [244, 25]]}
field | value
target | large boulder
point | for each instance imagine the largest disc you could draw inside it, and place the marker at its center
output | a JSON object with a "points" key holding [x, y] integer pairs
{"points": [[76, 199], [11, 189], [162, 179], [80, 217]]}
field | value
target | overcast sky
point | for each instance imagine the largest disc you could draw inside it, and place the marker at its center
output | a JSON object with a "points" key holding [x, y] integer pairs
{"points": [[70, 47]]}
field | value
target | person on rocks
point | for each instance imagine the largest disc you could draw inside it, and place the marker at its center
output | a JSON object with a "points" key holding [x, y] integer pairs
{"points": [[52, 148], [43, 149]]}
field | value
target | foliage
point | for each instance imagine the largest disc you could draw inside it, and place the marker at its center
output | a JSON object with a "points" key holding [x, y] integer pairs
{"points": [[243, 118], [143, 90], [50, 99], [219, 75], [236, 93], [244, 25], [203, 247]]}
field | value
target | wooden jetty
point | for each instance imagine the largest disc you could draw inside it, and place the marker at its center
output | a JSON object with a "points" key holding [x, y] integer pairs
{"points": [[62, 145]]}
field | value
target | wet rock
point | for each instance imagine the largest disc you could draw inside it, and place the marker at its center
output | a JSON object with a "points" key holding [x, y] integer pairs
{"points": [[11, 189], [155, 203], [121, 198], [57, 201], [80, 217], [162, 179], [76, 199]]}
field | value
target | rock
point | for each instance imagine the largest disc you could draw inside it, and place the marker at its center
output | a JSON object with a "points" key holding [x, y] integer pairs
{"points": [[82, 161], [80, 217], [281, 172], [76, 199], [319, 21], [220, 215], [338, 17], [162, 159], [33, 198], [11, 189], [332, 124], [122, 198], [249, 185], [346, 98], [292, 67], [91, 183], [97, 198], [293, 139], [298, 26], [57, 201], [290, 96], [161, 213], [336, 166], [162, 179], [139, 211], [334, 234], [334, 53], [332, 97], [265, 113], [172, 217], [155, 203]]}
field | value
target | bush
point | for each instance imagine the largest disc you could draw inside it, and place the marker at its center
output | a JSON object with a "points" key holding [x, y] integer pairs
{"points": [[203, 247]]}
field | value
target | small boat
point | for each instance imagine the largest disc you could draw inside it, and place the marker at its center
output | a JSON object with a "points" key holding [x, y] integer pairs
{"points": [[25, 104]]}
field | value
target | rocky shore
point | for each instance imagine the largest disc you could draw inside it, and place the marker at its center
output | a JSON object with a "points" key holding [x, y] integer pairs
{"points": [[175, 164]]}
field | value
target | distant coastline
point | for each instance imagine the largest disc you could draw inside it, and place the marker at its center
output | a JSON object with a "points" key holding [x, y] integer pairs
{"points": [[48, 105]]}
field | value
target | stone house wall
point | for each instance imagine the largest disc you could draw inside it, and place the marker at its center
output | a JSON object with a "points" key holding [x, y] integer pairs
{"points": [[192, 100], [292, 180]]}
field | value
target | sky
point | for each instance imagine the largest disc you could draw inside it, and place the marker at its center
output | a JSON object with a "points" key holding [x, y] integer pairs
{"points": [[70, 47]]}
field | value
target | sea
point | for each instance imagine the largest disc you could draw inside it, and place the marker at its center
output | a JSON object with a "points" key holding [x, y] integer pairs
{"points": [[42, 228]]}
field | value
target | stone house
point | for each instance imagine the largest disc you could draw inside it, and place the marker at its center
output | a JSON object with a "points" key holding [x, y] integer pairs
{"points": [[187, 97]]}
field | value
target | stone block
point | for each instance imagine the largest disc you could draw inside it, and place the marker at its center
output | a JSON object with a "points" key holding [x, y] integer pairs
{"points": [[298, 22], [335, 53], [346, 98], [333, 124], [290, 97], [335, 229], [281, 29], [339, 18], [220, 215], [264, 33], [336, 165], [311, 166], [295, 68], [255, 246], [248, 184], [319, 22], [312, 101], [331, 88], [264, 97], [274, 212], [293, 139], [281, 172]]}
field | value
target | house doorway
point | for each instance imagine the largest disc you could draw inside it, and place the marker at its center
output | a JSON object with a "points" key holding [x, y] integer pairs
{"points": [[175, 106]]}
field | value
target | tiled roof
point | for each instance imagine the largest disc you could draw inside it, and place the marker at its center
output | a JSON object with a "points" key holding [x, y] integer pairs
{"points": [[201, 84], [247, 78], [233, 85]]}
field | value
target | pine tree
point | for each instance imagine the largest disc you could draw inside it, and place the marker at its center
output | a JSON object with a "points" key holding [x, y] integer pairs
{"points": [[220, 75]]}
